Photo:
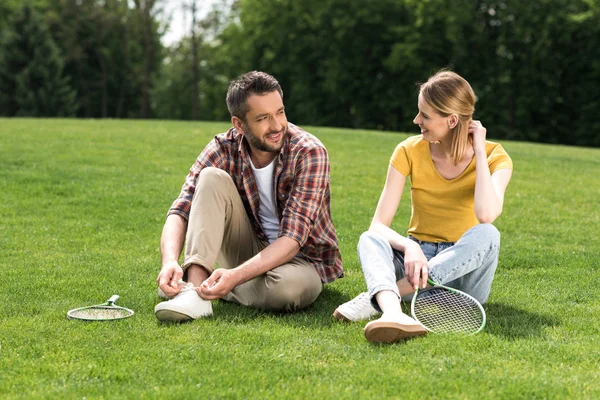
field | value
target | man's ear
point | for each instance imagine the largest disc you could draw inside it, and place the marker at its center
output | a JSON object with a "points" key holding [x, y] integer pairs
{"points": [[238, 124]]}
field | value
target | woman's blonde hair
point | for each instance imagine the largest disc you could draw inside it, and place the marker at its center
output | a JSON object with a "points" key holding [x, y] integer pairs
{"points": [[449, 93]]}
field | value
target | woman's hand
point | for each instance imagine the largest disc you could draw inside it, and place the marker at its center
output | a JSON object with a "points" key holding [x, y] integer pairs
{"points": [[477, 132], [415, 265]]}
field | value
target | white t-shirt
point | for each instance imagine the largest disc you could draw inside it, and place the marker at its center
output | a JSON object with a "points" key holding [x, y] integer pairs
{"points": [[267, 211]]}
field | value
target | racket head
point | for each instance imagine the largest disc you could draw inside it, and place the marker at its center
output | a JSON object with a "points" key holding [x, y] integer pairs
{"points": [[441, 309], [101, 312]]}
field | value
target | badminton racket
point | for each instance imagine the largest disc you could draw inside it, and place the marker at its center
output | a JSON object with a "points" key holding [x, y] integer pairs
{"points": [[441, 309], [101, 312]]}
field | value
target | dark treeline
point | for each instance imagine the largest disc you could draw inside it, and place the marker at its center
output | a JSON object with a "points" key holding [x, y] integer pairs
{"points": [[535, 66]]}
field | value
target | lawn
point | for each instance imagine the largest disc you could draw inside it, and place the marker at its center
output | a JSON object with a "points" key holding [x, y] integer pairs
{"points": [[81, 211]]}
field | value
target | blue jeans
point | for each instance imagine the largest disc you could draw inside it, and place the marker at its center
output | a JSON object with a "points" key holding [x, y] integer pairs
{"points": [[468, 265]]}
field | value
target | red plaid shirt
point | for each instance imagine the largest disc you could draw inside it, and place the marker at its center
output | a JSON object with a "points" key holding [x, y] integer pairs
{"points": [[302, 193]]}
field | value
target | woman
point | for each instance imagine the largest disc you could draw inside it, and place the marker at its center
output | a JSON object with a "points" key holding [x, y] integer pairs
{"points": [[458, 181]]}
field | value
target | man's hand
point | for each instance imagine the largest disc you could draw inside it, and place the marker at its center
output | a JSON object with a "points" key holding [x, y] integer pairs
{"points": [[218, 284], [169, 277], [415, 265]]}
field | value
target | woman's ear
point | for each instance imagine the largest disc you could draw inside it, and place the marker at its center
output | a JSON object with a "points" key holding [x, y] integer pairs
{"points": [[452, 121]]}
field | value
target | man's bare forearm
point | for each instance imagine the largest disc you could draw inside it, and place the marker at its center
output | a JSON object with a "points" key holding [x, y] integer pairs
{"points": [[277, 253], [172, 239]]}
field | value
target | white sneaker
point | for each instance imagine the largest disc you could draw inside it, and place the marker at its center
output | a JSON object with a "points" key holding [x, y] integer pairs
{"points": [[357, 309], [162, 294], [185, 306]]}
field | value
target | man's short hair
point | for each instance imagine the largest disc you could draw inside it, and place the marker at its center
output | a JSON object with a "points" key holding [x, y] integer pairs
{"points": [[240, 89]]}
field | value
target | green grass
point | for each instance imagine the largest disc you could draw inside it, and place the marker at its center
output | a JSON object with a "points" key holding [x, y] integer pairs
{"points": [[82, 205]]}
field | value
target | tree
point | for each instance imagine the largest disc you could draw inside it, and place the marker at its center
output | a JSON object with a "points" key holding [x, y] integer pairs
{"points": [[146, 11], [534, 65], [89, 34], [193, 7], [32, 82], [330, 57], [174, 93], [104, 55]]}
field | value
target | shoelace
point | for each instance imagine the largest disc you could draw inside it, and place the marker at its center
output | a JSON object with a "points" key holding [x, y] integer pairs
{"points": [[186, 286]]}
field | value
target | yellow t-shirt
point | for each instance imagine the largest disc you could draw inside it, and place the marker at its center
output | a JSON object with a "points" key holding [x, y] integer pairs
{"points": [[442, 209]]}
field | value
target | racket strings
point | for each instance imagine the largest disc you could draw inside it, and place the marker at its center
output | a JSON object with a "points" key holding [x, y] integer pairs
{"points": [[442, 311], [100, 313]]}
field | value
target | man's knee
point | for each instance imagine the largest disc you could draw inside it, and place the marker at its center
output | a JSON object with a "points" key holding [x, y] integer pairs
{"points": [[292, 292], [213, 183], [212, 176]]}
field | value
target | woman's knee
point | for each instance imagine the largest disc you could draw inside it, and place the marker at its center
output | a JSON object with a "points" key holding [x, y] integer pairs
{"points": [[486, 233], [368, 240]]}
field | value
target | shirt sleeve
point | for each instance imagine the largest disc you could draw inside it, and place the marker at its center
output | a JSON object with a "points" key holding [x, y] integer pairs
{"points": [[310, 187], [499, 159], [210, 157], [400, 159]]}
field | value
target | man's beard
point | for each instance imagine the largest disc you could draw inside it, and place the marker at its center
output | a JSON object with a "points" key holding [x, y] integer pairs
{"points": [[262, 145]]}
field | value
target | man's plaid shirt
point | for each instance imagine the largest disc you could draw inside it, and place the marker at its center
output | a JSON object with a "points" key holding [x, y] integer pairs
{"points": [[302, 194]]}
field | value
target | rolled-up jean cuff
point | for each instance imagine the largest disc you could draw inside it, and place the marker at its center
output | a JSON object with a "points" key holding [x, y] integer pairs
{"points": [[378, 289], [197, 260], [431, 277]]}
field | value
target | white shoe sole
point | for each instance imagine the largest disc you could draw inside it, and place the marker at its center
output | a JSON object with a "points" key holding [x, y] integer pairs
{"points": [[169, 312], [171, 316]]}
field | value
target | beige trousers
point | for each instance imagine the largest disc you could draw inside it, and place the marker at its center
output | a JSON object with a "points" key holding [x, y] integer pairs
{"points": [[219, 231]]}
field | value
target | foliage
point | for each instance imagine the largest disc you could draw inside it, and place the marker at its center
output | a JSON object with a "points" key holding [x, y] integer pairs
{"points": [[111, 53], [327, 56], [81, 218], [172, 95], [535, 66], [32, 82], [539, 71], [104, 42]]}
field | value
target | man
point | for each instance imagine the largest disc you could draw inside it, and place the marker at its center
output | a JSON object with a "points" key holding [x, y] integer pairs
{"points": [[257, 202]]}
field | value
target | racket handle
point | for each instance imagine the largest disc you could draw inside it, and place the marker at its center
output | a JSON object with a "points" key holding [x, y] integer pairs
{"points": [[113, 299]]}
